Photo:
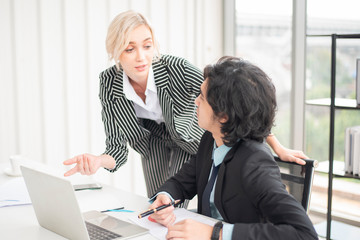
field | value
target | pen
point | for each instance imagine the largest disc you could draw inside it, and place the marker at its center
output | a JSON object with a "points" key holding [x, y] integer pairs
{"points": [[121, 210], [154, 210], [109, 210]]}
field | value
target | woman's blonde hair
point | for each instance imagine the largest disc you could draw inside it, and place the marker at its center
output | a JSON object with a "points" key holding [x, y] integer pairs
{"points": [[117, 38]]}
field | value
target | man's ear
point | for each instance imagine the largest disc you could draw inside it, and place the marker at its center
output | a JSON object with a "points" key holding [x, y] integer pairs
{"points": [[224, 118]]}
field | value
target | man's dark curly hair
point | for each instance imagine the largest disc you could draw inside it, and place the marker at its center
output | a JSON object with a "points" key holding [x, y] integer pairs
{"points": [[245, 94]]}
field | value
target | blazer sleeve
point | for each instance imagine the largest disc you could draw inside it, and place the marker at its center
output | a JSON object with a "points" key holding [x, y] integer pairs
{"points": [[115, 139], [186, 182], [183, 185], [286, 218]]}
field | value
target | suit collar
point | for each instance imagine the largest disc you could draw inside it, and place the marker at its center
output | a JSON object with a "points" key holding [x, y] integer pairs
{"points": [[219, 153], [206, 168], [232, 151]]}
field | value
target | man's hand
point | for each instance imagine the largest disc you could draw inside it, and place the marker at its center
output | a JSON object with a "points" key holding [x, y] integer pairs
{"points": [[165, 216], [189, 229]]}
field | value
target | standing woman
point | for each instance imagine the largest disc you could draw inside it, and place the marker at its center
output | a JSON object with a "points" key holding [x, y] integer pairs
{"points": [[148, 102]]}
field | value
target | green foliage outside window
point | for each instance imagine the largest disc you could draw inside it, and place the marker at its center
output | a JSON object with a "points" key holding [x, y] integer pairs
{"points": [[317, 118]]}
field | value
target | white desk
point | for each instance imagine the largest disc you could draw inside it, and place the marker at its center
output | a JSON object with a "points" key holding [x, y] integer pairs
{"points": [[19, 222]]}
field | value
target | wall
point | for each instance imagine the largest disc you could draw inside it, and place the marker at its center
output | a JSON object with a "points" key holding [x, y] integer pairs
{"points": [[52, 52]]}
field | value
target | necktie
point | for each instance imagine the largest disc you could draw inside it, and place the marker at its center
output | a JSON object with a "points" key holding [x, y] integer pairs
{"points": [[206, 195]]}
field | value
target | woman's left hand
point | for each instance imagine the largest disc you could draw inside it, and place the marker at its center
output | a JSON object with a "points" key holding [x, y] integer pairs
{"points": [[189, 229], [284, 153], [290, 155]]}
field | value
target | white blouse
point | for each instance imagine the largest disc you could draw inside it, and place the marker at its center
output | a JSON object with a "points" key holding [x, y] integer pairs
{"points": [[151, 108]]}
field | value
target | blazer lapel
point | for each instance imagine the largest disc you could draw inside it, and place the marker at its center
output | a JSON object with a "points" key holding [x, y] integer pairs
{"points": [[220, 181], [205, 173], [161, 81], [162, 84], [118, 91], [205, 154], [125, 113]]}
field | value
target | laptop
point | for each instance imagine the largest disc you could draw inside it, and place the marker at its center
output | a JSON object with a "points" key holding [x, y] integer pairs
{"points": [[57, 210]]}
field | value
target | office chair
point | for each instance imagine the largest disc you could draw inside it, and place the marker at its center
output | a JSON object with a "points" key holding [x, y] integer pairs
{"points": [[298, 179]]}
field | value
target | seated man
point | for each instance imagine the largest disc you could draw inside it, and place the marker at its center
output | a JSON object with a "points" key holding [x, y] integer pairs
{"points": [[237, 107]]}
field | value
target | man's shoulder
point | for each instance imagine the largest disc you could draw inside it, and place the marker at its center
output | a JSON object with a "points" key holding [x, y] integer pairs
{"points": [[207, 137], [255, 146], [252, 151]]}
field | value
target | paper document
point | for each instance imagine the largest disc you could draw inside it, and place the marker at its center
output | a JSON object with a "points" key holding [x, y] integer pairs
{"points": [[159, 231], [14, 193], [103, 200]]}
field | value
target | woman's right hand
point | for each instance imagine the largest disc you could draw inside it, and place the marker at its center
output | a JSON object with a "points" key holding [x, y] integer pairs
{"points": [[86, 164], [165, 216]]}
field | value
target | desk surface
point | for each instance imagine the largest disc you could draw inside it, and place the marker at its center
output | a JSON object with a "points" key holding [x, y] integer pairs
{"points": [[19, 222]]}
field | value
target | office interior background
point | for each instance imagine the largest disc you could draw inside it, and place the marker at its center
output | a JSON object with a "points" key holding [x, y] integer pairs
{"points": [[52, 52]]}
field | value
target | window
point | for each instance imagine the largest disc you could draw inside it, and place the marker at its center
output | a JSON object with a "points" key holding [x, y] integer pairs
{"points": [[263, 36], [326, 18]]}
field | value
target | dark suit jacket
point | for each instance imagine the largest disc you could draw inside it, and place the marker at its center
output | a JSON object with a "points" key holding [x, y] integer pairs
{"points": [[248, 192]]}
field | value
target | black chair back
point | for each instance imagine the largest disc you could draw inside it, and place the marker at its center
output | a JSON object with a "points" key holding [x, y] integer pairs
{"points": [[298, 179]]}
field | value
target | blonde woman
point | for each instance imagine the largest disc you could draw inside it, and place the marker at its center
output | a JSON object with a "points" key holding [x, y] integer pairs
{"points": [[148, 102]]}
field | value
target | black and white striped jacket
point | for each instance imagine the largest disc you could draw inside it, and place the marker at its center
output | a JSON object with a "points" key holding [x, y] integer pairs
{"points": [[178, 84]]}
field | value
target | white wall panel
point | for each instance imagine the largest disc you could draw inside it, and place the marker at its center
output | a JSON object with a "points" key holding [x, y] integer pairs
{"points": [[212, 24], [158, 17], [28, 79], [8, 100], [199, 33], [176, 28], [76, 77], [97, 61], [140, 6], [116, 7], [51, 60], [97, 19], [189, 31]]}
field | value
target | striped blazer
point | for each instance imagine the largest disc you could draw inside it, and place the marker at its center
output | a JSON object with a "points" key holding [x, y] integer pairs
{"points": [[178, 84]]}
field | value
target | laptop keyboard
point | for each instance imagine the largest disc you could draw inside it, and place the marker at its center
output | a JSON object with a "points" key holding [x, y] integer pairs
{"points": [[98, 233]]}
